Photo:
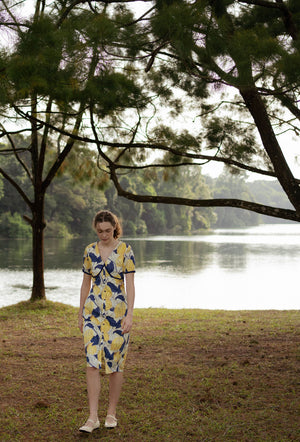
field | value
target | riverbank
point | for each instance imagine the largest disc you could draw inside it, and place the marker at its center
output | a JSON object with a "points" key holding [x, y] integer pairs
{"points": [[191, 375]]}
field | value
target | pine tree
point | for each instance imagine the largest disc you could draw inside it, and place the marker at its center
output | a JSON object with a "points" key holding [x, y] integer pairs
{"points": [[56, 65]]}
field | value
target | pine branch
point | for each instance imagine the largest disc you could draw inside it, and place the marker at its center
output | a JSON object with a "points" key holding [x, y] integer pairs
{"points": [[17, 187], [74, 135], [16, 152], [218, 202], [15, 21], [287, 16]]}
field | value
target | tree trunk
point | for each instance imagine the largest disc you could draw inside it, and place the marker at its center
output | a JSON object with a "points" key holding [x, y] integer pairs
{"points": [[282, 171], [38, 225]]}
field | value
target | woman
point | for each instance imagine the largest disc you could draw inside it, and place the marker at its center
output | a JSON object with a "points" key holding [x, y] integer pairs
{"points": [[106, 313]]}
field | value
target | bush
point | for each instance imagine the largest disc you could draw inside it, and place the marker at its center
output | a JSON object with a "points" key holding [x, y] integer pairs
{"points": [[56, 229], [141, 228], [129, 228], [14, 226]]}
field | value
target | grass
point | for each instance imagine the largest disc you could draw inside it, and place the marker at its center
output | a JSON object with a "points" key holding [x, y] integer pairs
{"points": [[191, 375]]}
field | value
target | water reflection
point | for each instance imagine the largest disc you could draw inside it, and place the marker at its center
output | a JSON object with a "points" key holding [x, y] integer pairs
{"points": [[232, 256], [229, 250], [184, 256], [15, 253], [187, 256], [238, 269]]}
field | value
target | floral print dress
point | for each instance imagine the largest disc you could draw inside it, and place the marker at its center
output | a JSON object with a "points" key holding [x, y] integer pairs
{"points": [[106, 307]]}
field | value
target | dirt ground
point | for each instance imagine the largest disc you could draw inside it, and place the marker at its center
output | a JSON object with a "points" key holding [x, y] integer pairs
{"points": [[190, 375]]}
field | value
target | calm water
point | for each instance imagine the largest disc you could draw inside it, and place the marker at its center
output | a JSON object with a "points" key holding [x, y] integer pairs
{"points": [[254, 268]]}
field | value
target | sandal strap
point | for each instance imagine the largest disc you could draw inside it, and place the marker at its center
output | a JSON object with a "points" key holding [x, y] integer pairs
{"points": [[90, 423], [112, 417]]}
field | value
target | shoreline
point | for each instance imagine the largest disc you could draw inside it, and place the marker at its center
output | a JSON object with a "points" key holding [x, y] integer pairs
{"points": [[40, 303]]}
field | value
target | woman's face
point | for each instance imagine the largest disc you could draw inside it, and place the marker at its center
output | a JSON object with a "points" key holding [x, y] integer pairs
{"points": [[105, 232]]}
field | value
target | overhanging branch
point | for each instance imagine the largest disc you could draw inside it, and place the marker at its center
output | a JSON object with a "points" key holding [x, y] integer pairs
{"points": [[215, 202]]}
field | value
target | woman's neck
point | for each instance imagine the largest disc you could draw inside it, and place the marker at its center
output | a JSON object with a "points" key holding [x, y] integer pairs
{"points": [[111, 244]]}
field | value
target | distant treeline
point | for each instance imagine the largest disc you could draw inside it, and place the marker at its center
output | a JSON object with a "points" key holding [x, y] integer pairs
{"points": [[71, 204], [268, 192]]}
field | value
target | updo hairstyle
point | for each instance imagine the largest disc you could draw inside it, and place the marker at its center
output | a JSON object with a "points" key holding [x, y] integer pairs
{"points": [[106, 216]]}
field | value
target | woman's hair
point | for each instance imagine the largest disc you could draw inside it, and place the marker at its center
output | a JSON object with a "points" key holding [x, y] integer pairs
{"points": [[106, 216]]}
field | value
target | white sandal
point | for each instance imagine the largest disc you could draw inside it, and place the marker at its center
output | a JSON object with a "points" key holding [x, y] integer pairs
{"points": [[110, 421], [90, 426]]}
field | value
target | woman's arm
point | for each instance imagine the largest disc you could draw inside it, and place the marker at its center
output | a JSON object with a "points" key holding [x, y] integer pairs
{"points": [[130, 290], [84, 291]]}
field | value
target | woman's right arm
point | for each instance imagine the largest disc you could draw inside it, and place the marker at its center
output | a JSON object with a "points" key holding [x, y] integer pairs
{"points": [[84, 291]]}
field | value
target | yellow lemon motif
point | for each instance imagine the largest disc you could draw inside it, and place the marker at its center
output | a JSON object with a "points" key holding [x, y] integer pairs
{"points": [[87, 263], [120, 254], [94, 320], [116, 357], [92, 349], [116, 343], [96, 289], [121, 249], [105, 327], [119, 261], [89, 307], [120, 310], [106, 294], [99, 357], [130, 266], [88, 334], [108, 305]]}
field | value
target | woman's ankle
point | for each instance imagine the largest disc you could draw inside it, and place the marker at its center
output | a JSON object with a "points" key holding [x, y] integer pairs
{"points": [[93, 417], [111, 412]]}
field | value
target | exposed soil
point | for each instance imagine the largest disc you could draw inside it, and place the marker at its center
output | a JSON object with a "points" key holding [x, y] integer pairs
{"points": [[190, 375]]}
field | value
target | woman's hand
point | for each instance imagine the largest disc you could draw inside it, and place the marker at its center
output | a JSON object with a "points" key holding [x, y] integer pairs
{"points": [[127, 323], [80, 322], [130, 290], [84, 292]]}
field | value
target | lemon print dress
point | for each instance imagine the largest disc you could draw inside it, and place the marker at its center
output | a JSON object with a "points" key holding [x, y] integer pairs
{"points": [[106, 306]]}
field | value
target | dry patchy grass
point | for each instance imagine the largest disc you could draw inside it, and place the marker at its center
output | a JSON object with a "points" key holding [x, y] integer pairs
{"points": [[191, 375]]}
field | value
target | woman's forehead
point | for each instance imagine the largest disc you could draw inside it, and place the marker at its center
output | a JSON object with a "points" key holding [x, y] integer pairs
{"points": [[104, 226]]}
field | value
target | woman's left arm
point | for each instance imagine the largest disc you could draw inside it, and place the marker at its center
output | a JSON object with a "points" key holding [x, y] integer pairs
{"points": [[130, 291]]}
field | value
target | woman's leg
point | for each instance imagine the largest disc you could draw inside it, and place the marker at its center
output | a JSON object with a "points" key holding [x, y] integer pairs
{"points": [[93, 388], [115, 386]]}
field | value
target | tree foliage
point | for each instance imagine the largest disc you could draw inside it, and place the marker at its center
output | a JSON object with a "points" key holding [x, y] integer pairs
{"points": [[207, 50]]}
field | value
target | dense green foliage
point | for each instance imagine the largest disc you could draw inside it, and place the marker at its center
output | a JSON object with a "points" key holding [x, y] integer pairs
{"points": [[263, 191], [74, 197]]}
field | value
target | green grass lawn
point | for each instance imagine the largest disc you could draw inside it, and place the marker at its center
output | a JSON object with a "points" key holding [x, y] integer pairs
{"points": [[190, 375]]}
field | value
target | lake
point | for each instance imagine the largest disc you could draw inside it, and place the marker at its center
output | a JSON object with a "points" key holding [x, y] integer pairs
{"points": [[255, 268]]}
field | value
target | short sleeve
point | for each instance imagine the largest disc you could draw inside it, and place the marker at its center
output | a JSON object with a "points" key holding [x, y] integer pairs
{"points": [[87, 262], [129, 261]]}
